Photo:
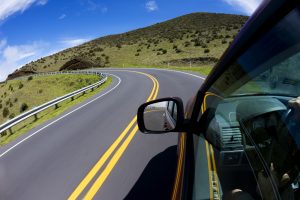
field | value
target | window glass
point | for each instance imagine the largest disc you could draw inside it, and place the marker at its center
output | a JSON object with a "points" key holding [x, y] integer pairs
{"points": [[254, 129], [174, 116]]}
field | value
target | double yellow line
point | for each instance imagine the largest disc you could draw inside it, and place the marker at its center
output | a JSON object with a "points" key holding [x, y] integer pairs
{"points": [[92, 191], [213, 179]]}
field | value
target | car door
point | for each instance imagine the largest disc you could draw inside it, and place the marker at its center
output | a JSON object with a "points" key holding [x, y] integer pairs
{"points": [[245, 120]]}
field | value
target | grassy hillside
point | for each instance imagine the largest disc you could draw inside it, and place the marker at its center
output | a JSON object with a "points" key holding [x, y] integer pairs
{"points": [[18, 96], [198, 39]]}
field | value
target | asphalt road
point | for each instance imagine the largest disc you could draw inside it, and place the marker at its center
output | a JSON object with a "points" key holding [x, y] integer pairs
{"points": [[52, 161]]}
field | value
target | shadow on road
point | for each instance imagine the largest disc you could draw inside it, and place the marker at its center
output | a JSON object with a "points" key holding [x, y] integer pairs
{"points": [[156, 181]]}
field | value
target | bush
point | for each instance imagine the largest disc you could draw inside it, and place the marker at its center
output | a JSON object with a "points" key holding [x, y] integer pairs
{"points": [[12, 115], [10, 87], [23, 107], [164, 51], [197, 43], [178, 51], [5, 112], [186, 44], [137, 54], [224, 41], [40, 91], [206, 50], [1, 106], [98, 49], [16, 100], [29, 78]]}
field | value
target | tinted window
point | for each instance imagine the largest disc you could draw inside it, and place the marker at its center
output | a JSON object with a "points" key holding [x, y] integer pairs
{"points": [[255, 132]]}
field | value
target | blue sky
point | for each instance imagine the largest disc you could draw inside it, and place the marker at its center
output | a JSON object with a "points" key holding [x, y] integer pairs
{"points": [[30, 29]]}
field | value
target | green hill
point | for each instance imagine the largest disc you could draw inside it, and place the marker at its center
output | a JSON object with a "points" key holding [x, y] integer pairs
{"points": [[197, 38]]}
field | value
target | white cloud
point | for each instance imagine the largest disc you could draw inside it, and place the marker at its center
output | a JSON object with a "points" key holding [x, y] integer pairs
{"points": [[62, 16], [104, 10], [151, 6], [245, 6], [10, 7], [15, 56], [73, 42], [41, 2], [2, 44]]}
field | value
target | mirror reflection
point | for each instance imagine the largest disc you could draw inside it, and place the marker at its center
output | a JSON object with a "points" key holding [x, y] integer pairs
{"points": [[161, 116]]}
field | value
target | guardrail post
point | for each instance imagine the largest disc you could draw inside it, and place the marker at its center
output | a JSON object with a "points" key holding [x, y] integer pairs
{"points": [[72, 98], [10, 131], [35, 117], [56, 106]]}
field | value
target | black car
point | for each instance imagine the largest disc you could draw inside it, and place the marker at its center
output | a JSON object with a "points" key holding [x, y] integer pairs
{"points": [[240, 135]]}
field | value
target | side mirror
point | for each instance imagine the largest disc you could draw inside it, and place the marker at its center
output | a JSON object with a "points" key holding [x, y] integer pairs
{"points": [[161, 116]]}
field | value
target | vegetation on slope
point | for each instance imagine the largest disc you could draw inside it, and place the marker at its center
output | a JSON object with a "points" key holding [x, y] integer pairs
{"points": [[196, 39], [17, 96]]}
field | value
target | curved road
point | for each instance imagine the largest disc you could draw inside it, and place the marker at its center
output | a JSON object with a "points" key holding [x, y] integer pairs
{"points": [[80, 154]]}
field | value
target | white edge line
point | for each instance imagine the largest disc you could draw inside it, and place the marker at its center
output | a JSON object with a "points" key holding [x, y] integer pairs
{"points": [[29, 136], [124, 69]]}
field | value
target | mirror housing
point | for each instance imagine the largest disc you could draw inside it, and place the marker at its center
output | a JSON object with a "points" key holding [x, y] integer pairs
{"points": [[161, 116]]}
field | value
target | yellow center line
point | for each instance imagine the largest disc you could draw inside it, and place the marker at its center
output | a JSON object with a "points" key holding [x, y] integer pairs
{"points": [[209, 171], [179, 167], [215, 172], [103, 176], [87, 179], [212, 173]]}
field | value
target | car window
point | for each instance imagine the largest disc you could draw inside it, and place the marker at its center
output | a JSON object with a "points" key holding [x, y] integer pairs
{"points": [[174, 116], [170, 107], [254, 131]]}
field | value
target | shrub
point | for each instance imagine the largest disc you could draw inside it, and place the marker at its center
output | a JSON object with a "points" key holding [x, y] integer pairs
{"points": [[5, 112], [98, 49], [174, 46], [137, 54], [1, 106], [206, 50], [197, 43], [16, 100], [11, 104], [119, 46], [178, 51], [12, 115], [10, 87], [224, 41], [29, 78], [186, 44], [40, 91], [23, 107], [164, 51]]}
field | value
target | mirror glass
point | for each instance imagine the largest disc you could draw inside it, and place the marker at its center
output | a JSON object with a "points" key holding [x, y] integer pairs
{"points": [[160, 116]]}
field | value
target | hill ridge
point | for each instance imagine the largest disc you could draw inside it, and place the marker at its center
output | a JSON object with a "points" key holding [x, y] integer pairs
{"points": [[197, 38]]}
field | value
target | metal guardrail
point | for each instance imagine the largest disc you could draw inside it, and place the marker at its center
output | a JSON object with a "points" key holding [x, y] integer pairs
{"points": [[33, 112]]}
